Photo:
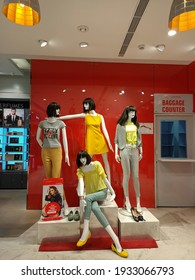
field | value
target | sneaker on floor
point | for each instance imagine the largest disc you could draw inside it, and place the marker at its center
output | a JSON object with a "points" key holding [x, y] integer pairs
{"points": [[76, 215], [70, 216]]}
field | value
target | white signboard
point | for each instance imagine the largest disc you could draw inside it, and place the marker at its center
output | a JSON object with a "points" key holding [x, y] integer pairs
{"points": [[173, 103]]}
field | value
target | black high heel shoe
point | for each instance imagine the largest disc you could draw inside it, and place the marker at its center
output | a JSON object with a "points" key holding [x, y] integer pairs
{"points": [[134, 214]]}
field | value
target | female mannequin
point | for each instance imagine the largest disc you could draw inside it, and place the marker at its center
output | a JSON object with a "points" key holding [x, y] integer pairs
{"points": [[128, 141], [51, 150], [92, 177], [95, 140]]}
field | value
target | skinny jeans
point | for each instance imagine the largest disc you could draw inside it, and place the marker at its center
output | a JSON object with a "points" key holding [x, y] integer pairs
{"points": [[130, 163], [92, 205], [52, 161]]}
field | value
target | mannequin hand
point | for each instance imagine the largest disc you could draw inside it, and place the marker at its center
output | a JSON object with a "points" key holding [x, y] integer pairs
{"points": [[82, 204], [111, 148], [112, 197], [67, 160], [140, 156], [118, 158]]}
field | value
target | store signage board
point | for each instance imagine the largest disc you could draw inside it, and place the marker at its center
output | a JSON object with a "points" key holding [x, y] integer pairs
{"points": [[173, 103]]}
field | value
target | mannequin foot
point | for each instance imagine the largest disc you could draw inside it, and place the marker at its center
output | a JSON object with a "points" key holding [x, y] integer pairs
{"points": [[128, 207], [139, 209], [121, 253], [81, 242], [66, 211]]}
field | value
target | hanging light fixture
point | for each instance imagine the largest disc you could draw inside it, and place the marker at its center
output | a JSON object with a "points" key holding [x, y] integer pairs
{"points": [[182, 15], [24, 12]]}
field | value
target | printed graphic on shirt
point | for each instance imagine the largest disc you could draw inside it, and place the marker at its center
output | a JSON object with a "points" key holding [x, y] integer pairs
{"points": [[51, 133]]}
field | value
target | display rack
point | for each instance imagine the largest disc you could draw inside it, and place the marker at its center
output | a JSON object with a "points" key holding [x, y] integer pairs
{"points": [[14, 149], [14, 144], [173, 139]]}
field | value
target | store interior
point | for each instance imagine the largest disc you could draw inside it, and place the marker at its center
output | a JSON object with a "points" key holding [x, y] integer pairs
{"points": [[115, 74]]}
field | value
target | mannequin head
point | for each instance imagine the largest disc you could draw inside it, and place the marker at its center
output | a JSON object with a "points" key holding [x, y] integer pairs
{"points": [[91, 105], [80, 156], [125, 116], [53, 110]]}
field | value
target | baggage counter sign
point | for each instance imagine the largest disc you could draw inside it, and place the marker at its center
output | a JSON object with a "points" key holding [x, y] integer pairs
{"points": [[173, 103]]}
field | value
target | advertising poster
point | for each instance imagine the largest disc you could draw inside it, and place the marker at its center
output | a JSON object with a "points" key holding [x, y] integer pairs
{"points": [[52, 199]]}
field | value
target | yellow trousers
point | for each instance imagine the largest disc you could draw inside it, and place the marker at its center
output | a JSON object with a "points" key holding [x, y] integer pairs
{"points": [[52, 162]]}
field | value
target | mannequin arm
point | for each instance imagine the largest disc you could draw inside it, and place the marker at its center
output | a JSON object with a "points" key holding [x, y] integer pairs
{"points": [[106, 133], [80, 192], [38, 137], [80, 188], [117, 156], [65, 144], [110, 188], [140, 153], [74, 116]]}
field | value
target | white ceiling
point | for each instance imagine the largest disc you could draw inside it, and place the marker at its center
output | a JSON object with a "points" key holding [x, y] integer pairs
{"points": [[108, 22]]}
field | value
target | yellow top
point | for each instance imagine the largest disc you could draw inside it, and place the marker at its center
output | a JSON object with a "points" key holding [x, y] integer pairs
{"points": [[95, 141], [94, 179], [131, 133]]}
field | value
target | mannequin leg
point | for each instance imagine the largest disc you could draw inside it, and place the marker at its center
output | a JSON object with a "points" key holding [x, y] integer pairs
{"points": [[66, 209], [106, 165], [56, 162], [128, 204], [125, 162], [85, 232], [114, 238], [139, 209], [46, 159], [135, 175]]}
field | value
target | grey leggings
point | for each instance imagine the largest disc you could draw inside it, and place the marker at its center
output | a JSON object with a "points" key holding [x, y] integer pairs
{"points": [[92, 205], [130, 162]]}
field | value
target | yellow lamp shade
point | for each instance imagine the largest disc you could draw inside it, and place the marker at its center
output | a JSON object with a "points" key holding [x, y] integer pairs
{"points": [[182, 15], [23, 12]]}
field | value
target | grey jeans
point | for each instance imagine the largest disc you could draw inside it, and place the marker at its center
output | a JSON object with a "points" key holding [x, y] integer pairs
{"points": [[92, 205], [130, 162]]}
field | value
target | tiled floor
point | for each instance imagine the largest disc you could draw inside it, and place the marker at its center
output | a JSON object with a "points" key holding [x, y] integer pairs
{"points": [[18, 234]]}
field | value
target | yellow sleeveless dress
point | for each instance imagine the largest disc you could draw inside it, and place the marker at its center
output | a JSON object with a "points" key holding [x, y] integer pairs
{"points": [[95, 141]]}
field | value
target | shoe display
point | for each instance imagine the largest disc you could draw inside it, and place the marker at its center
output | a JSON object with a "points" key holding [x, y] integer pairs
{"points": [[70, 216], [140, 216], [76, 216], [122, 254], [134, 214], [81, 243]]}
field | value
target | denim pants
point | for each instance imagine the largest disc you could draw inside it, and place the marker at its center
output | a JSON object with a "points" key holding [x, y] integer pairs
{"points": [[92, 205], [130, 162]]}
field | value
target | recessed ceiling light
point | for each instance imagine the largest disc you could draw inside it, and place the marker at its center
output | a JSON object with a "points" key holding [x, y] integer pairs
{"points": [[160, 47], [43, 43], [171, 32], [83, 44], [83, 28]]}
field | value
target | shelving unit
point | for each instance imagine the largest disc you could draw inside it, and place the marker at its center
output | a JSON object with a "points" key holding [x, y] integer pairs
{"points": [[173, 139], [14, 149]]}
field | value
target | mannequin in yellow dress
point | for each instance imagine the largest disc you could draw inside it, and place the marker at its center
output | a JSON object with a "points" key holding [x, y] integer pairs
{"points": [[95, 139]]}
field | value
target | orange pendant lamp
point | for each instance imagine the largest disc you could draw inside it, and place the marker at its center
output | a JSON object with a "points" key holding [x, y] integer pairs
{"points": [[182, 15], [23, 12]]}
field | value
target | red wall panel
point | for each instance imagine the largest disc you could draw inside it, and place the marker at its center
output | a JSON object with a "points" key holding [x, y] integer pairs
{"points": [[103, 82]]}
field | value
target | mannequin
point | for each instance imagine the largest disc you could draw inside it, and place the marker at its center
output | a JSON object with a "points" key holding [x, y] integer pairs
{"points": [[51, 150], [128, 141], [92, 177], [95, 140]]}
